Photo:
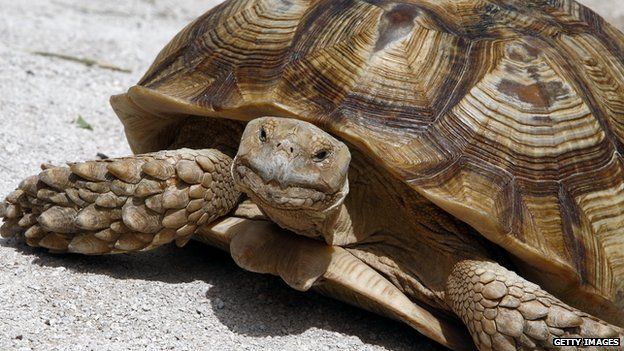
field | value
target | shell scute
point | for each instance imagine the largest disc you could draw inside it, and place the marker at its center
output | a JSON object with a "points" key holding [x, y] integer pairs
{"points": [[507, 116]]}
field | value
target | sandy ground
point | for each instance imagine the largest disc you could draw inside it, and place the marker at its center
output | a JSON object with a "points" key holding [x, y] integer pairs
{"points": [[182, 299]]}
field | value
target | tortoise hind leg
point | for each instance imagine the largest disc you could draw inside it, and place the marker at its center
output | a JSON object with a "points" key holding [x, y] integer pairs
{"points": [[121, 205], [503, 311]]}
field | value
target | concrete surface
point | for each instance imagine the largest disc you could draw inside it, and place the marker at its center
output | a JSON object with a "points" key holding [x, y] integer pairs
{"points": [[194, 298]]}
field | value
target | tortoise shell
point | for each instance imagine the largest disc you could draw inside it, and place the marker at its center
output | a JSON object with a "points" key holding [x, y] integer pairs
{"points": [[508, 114]]}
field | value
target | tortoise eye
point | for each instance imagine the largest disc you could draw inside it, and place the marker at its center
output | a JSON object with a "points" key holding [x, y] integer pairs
{"points": [[321, 155], [263, 135]]}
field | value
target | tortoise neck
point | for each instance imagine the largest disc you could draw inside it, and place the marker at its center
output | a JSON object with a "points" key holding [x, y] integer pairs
{"points": [[332, 225], [402, 235]]}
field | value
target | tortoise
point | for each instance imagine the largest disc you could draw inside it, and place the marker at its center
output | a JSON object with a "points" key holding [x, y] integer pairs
{"points": [[456, 165]]}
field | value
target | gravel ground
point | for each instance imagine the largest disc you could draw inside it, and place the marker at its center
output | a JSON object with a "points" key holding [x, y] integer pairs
{"points": [[182, 299]]}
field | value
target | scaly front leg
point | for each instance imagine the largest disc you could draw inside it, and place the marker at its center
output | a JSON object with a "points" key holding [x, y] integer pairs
{"points": [[505, 312], [120, 205]]}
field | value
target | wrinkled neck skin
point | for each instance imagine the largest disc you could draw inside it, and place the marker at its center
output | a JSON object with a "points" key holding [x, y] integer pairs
{"points": [[404, 236], [332, 225], [381, 220], [386, 224]]}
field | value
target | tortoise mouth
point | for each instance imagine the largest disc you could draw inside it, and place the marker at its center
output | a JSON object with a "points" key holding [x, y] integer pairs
{"points": [[274, 195]]}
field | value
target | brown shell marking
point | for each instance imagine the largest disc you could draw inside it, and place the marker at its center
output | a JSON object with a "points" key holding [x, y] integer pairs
{"points": [[507, 114]]}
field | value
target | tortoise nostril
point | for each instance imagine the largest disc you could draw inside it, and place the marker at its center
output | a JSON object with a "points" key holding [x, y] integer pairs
{"points": [[285, 145]]}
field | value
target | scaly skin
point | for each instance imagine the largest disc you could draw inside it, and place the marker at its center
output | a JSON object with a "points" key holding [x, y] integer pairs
{"points": [[505, 312], [121, 205], [140, 202], [502, 310]]}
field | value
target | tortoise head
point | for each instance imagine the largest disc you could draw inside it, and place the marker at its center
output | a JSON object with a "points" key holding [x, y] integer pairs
{"points": [[289, 164]]}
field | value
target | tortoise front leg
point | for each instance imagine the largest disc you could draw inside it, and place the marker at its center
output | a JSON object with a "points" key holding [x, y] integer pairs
{"points": [[121, 205], [504, 311]]}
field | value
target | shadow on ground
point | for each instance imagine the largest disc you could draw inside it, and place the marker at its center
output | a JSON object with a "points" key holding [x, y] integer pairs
{"points": [[247, 303]]}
